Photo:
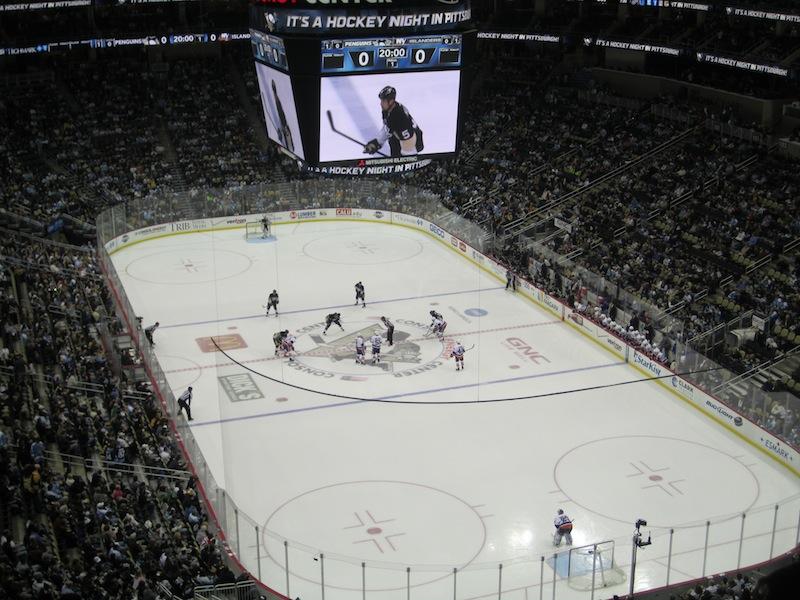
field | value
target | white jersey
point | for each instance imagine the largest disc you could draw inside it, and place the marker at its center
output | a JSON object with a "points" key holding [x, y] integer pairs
{"points": [[458, 350], [360, 345], [561, 520], [376, 341], [437, 323]]}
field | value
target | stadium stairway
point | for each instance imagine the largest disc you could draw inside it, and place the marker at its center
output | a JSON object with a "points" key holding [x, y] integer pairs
{"points": [[534, 218], [178, 180]]}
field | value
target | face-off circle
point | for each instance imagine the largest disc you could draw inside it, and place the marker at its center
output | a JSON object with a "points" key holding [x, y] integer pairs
{"points": [[334, 352], [687, 481], [364, 248], [190, 265], [376, 521], [188, 371]]}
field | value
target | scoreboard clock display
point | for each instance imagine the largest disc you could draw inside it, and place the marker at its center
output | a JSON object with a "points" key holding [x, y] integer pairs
{"points": [[391, 53], [374, 86], [269, 49]]}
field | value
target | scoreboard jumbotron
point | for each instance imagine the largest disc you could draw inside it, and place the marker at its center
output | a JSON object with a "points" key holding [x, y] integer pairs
{"points": [[321, 67], [391, 53]]}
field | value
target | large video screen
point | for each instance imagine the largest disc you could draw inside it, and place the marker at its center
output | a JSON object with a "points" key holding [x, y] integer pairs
{"points": [[418, 115], [280, 113]]}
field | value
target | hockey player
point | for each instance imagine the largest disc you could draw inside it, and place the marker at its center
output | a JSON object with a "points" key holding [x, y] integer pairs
{"points": [[360, 295], [563, 526], [434, 316], [399, 128], [149, 331], [331, 319], [284, 133], [389, 330], [458, 354], [265, 227], [185, 403], [376, 340], [511, 280], [277, 339], [272, 302], [439, 325], [287, 346], [360, 349]]}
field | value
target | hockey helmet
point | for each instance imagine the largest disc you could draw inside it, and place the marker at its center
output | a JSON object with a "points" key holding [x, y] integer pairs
{"points": [[387, 93]]}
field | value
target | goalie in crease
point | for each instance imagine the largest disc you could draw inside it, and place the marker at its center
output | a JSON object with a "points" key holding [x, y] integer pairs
{"points": [[265, 227], [563, 526]]}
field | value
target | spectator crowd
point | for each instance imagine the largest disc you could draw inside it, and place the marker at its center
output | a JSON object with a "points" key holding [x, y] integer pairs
{"points": [[565, 177]]}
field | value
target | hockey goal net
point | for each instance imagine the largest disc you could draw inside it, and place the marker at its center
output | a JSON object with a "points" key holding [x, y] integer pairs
{"points": [[257, 229], [593, 566]]}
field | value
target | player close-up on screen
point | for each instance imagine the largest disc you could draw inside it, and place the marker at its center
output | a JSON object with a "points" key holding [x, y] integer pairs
{"points": [[388, 115], [280, 113]]}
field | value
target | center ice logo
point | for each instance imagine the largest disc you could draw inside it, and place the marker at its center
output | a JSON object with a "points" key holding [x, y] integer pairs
{"points": [[411, 354]]}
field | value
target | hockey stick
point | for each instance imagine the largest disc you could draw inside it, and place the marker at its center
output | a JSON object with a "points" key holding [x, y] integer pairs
{"points": [[344, 135]]}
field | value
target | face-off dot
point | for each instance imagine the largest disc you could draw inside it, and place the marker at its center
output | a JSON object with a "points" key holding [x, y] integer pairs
{"points": [[281, 399], [374, 530], [655, 478]]}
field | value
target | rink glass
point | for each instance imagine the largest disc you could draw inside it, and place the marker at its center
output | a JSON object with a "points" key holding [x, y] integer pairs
{"points": [[732, 542]]}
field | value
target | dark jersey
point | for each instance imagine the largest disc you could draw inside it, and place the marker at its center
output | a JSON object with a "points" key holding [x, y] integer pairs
{"points": [[359, 289], [283, 124], [332, 318], [398, 123], [273, 299]]}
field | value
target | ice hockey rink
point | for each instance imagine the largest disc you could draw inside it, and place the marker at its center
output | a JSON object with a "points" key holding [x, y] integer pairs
{"points": [[408, 464]]}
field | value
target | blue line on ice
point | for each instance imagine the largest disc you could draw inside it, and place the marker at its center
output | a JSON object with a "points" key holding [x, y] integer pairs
{"points": [[403, 395]]}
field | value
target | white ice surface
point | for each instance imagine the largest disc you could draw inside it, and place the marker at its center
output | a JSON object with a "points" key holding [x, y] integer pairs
{"points": [[426, 485]]}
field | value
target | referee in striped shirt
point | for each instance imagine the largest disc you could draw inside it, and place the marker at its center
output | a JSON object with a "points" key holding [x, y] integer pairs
{"points": [[185, 403]]}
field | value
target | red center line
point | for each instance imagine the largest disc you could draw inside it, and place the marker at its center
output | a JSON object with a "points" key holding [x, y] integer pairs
{"points": [[320, 352]]}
